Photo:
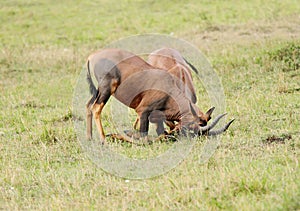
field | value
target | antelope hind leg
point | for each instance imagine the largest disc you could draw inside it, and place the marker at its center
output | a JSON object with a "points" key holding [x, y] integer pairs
{"points": [[97, 109], [89, 116]]}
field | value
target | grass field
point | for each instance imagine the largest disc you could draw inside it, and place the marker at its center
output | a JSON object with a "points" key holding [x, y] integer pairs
{"points": [[254, 47]]}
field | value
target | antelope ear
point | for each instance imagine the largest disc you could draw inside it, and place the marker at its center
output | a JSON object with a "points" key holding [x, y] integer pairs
{"points": [[209, 112], [193, 110]]}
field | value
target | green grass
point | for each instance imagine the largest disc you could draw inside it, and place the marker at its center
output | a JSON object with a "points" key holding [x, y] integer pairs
{"points": [[253, 46]]}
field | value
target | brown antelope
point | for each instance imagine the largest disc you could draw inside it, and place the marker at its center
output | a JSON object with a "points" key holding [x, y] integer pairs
{"points": [[152, 92], [172, 61]]}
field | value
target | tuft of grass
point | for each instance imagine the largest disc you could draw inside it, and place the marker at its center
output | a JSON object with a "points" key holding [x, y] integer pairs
{"points": [[287, 56], [49, 136]]}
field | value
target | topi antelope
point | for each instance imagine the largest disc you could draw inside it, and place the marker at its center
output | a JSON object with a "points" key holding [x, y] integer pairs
{"points": [[171, 60], [151, 91]]}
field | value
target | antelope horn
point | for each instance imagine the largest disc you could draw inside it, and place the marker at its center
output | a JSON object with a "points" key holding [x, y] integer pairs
{"points": [[214, 122], [221, 130]]}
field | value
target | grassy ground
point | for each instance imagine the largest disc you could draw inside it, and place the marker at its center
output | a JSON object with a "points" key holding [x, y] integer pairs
{"points": [[255, 49]]}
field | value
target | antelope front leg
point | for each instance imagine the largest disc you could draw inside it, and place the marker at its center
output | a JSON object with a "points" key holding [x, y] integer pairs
{"points": [[160, 130], [144, 124], [97, 109]]}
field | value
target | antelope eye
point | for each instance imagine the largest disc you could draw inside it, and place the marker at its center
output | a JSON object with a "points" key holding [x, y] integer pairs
{"points": [[202, 124]]}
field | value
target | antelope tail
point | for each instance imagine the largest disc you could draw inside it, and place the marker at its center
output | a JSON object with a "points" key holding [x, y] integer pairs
{"points": [[93, 90]]}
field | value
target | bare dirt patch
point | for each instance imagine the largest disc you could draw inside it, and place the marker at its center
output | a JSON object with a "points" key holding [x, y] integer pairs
{"points": [[274, 139]]}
